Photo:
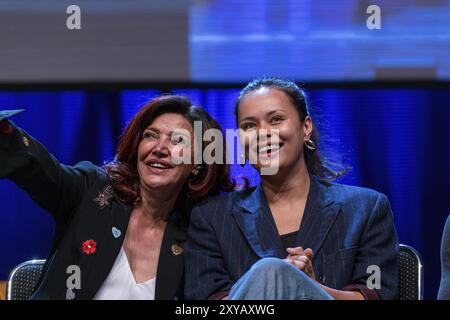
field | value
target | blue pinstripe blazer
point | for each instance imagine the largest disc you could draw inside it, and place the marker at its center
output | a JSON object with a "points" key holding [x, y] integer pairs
{"points": [[349, 228]]}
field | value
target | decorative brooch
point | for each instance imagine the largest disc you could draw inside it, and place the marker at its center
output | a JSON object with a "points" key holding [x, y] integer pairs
{"points": [[176, 249], [104, 197], [89, 247]]}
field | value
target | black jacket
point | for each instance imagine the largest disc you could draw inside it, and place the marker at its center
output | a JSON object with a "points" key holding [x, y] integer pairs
{"points": [[84, 207]]}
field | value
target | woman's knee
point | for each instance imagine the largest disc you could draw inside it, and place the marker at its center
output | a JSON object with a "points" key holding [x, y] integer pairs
{"points": [[273, 266]]}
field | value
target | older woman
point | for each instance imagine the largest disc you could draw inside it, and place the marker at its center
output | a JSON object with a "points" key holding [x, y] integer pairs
{"points": [[296, 235], [119, 228]]}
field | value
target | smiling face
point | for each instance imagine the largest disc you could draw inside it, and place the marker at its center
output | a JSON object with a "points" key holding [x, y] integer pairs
{"points": [[272, 129], [168, 133]]}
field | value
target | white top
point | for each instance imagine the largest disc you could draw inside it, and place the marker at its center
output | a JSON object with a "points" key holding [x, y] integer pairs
{"points": [[121, 285]]}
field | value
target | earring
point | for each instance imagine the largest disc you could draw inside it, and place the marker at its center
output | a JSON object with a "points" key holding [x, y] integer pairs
{"points": [[242, 163], [310, 144]]}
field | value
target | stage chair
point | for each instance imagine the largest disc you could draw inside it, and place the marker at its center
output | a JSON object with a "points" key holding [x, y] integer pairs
{"points": [[23, 279], [410, 274]]}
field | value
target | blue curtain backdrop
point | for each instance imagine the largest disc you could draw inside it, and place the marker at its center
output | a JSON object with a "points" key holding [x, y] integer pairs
{"points": [[395, 139]]}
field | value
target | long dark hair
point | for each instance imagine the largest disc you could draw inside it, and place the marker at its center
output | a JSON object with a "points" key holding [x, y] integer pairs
{"points": [[211, 180], [317, 164]]}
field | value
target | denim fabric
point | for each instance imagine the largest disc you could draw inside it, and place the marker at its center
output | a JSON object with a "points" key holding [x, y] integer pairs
{"points": [[276, 279]]}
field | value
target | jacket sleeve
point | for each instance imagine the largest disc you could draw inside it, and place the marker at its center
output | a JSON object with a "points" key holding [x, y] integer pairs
{"points": [[379, 251], [206, 273], [53, 186]]}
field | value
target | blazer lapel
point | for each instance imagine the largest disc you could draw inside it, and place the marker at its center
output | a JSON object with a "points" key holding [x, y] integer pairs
{"points": [[320, 214], [108, 235], [255, 220], [109, 238], [171, 259]]}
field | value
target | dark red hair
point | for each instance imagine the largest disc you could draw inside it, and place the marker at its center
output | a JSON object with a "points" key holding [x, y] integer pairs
{"points": [[211, 180]]}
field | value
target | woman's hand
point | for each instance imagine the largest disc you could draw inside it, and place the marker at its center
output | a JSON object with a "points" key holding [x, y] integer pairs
{"points": [[302, 259]]}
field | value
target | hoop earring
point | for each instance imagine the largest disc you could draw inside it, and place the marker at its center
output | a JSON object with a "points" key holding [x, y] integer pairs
{"points": [[310, 144], [195, 171], [243, 160]]}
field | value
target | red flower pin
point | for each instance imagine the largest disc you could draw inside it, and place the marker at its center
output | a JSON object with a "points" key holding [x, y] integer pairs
{"points": [[89, 246]]}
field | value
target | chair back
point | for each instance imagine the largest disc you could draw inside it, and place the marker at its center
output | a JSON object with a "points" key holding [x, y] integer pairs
{"points": [[410, 274], [23, 279]]}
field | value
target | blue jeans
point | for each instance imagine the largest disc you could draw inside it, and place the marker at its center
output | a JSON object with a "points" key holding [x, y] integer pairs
{"points": [[276, 279]]}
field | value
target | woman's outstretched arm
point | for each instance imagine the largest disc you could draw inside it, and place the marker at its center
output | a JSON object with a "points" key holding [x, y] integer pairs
{"points": [[55, 187]]}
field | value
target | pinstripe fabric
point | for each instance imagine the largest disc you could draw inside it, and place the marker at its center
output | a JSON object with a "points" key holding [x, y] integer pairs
{"points": [[349, 228]]}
